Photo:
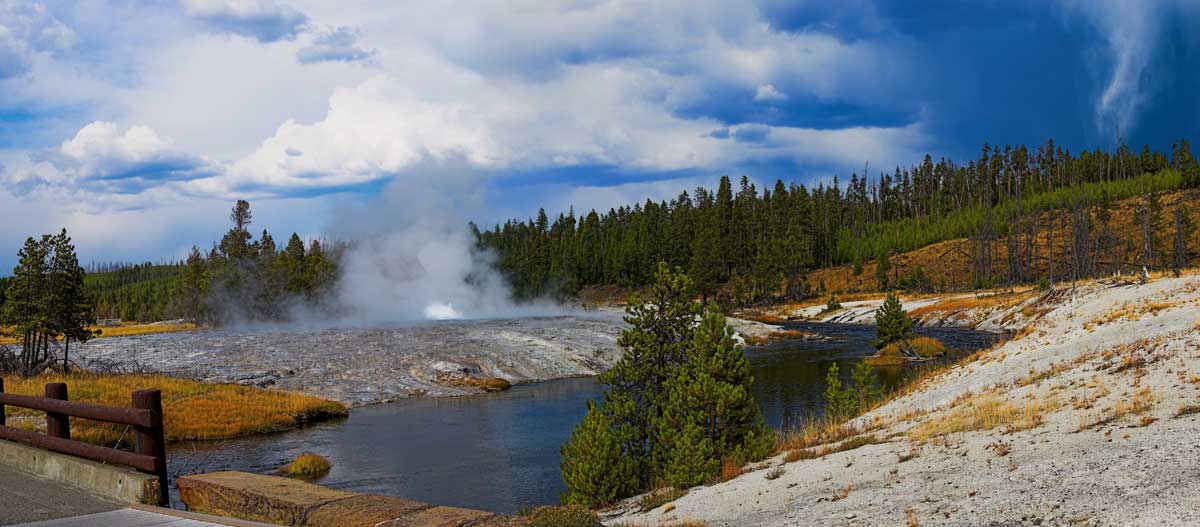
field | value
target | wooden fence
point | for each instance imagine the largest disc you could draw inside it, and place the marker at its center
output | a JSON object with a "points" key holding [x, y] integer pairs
{"points": [[145, 416]]}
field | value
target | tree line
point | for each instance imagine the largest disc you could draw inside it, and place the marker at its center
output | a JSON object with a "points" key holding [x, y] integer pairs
{"points": [[246, 280], [759, 245]]}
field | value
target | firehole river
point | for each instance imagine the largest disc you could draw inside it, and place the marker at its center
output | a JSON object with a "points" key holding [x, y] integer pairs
{"points": [[500, 451]]}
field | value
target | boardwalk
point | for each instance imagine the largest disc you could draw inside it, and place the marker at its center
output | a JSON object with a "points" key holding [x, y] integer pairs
{"points": [[141, 518]]}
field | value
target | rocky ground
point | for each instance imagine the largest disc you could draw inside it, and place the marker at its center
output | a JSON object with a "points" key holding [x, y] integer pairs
{"points": [[1089, 415], [365, 366], [373, 365]]}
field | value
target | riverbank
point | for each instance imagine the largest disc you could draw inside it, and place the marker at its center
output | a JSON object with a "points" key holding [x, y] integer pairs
{"points": [[1088, 416], [192, 410]]}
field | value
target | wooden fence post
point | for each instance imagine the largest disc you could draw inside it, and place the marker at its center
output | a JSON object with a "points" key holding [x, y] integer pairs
{"points": [[57, 425], [151, 441], [2, 423]]}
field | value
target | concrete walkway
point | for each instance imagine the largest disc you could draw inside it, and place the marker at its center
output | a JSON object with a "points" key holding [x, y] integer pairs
{"points": [[144, 517], [25, 497]]}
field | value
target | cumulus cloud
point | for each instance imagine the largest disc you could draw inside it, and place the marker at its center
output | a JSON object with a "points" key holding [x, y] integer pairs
{"points": [[27, 28], [334, 45], [768, 93], [102, 158], [264, 20]]}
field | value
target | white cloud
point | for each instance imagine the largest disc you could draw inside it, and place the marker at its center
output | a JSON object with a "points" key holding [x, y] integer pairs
{"points": [[768, 93], [334, 45], [104, 159], [26, 29], [264, 20]]}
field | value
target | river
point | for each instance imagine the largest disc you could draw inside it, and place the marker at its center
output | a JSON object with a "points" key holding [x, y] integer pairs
{"points": [[500, 451]]}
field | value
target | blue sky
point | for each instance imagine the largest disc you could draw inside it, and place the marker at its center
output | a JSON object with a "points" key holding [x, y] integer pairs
{"points": [[136, 124]]}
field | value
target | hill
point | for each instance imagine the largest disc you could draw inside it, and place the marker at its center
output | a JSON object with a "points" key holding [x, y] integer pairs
{"points": [[1088, 416]]}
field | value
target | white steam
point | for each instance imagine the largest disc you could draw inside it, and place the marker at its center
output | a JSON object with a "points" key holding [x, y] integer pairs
{"points": [[412, 255]]}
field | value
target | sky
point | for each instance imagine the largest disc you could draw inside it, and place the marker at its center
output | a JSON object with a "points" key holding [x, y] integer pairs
{"points": [[135, 125]]}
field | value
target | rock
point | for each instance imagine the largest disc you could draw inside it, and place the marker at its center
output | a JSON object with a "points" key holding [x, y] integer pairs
{"points": [[254, 497], [284, 501]]}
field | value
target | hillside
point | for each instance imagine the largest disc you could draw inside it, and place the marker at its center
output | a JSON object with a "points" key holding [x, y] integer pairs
{"points": [[1088, 416], [950, 266]]}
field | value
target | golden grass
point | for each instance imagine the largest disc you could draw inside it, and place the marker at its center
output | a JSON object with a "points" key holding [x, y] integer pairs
{"points": [[985, 412], [890, 355], [1141, 402], [731, 468], [127, 330], [192, 410], [307, 466], [1186, 409]]}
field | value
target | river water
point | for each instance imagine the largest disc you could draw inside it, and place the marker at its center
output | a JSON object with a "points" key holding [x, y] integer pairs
{"points": [[500, 451]]}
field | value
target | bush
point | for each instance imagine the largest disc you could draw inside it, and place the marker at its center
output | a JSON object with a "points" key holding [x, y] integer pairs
{"points": [[832, 305], [593, 468], [565, 516], [307, 466]]}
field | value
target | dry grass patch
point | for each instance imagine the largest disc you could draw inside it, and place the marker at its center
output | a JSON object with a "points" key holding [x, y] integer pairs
{"points": [[731, 468], [984, 412], [126, 330], [307, 466], [192, 410], [658, 498], [1187, 409]]}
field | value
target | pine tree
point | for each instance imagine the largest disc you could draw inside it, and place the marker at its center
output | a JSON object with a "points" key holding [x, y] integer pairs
{"points": [[892, 323], [193, 287], [594, 466], [71, 309], [883, 265], [710, 413], [656, 342]]}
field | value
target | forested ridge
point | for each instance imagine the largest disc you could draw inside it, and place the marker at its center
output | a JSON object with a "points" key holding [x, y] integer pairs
{"points": [[753, 245]]}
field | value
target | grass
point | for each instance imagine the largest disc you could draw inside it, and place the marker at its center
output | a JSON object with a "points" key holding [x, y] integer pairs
{"points": [[1187, 409], [307, 466], [192, 410], [731, 468], [564, 516], [126, 330], [658, 498], [984, 412], [890, 355]]}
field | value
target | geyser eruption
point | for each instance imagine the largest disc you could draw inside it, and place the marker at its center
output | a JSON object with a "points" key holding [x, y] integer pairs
{"points": [[412, 255]]}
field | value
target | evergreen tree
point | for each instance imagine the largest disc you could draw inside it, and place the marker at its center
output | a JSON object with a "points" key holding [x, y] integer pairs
{"points": [[710, 413], [71, 308], [883, 265], [594, 468], [193, 287], [892, 323], [660, 331]]}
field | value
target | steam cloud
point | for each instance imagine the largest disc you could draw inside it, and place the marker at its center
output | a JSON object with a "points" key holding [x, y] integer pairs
{"points": [[413, 257]]}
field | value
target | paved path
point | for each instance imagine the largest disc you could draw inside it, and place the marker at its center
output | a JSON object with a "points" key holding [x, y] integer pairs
{"points": [[142, 518], [25, 497]]}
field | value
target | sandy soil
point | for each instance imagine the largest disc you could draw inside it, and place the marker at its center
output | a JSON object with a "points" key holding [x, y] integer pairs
{"points": [[1094, 384]]}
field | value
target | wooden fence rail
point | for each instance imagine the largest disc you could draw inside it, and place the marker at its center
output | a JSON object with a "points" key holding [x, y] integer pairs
{"points": [[145, 417]]}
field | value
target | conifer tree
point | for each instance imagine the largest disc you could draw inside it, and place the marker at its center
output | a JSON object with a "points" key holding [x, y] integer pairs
{"points": [[660, 330], [594, 466], [193, 287], [892, 323], [710, 414]]}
